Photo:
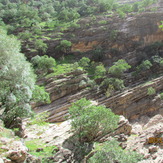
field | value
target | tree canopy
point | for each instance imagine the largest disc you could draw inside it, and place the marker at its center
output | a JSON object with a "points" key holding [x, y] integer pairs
{"points": [[16, 79]]}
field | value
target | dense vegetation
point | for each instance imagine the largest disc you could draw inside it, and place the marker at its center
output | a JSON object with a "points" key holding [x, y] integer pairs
{"points": [[31, 20], [16, 82]]}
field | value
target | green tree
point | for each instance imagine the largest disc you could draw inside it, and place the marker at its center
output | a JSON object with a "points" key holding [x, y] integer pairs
{"points": [[100, 71], [145, 65], [90, 121], [114, 83], [119, 68], [42, 64], [40, 95], [16, 80], [40, 46], [84, 62], [64, 47]]}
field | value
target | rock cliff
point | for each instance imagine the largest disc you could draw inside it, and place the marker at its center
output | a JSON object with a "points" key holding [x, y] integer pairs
{"points": [[129, 38], [132, 103]]}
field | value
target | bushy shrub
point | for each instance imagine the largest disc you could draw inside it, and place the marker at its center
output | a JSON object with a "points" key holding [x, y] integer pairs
{"points": [[100, 71], [40, 95], [84, 62], [112, 152], [117, 84], [25, 35], [151, 91], [43, 63], [40, 46], [110, 90], [102, 22], [161, 63], [145, 65], [39, 119], [64, 46], [90, 121], [119, 68], [97, 54], [161, 96]]}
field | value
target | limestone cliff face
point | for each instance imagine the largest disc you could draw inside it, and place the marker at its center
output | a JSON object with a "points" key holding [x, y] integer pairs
{"points": [[131, 103]]}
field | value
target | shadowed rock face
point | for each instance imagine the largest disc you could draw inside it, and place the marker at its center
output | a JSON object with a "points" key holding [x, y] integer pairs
{"points": [[125, 35], [129, 35], [142, 28]]}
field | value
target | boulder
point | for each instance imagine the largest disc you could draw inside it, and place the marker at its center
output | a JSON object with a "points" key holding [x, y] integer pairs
{"points": [[17, 156]]}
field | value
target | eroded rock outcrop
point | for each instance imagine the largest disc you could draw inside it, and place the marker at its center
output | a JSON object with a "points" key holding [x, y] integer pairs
{"points": [[145, 141], [64, 90], [131, 103], [12, 150], [136, 102]]}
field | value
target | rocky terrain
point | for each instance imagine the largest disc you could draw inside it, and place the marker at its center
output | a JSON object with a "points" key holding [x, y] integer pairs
{"points": [[134, 135], [133, 38]]}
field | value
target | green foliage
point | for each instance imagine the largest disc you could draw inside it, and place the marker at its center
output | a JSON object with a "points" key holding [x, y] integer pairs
{"points": [[84, 62], [40, 46], [40, 95], [112, 152], [157, 59], [113, 35], [102, 22], [115, 83], [25, 35], [121, 14], [64, 46], [100, 71], [42, 64], [153, 49], [151, 91], [161, 63], [39, 119], [39, 17], [90, 121], [74, 25], [110, 90], [16, 80], [145, 65], [161, 26], [119, 68], [35, 144], [105, 5], [161, 96], [97, 54], [63, 68]]}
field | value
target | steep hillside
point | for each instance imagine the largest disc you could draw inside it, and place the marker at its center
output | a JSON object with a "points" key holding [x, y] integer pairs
{"points": [[136, 38], [107, 53]]}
